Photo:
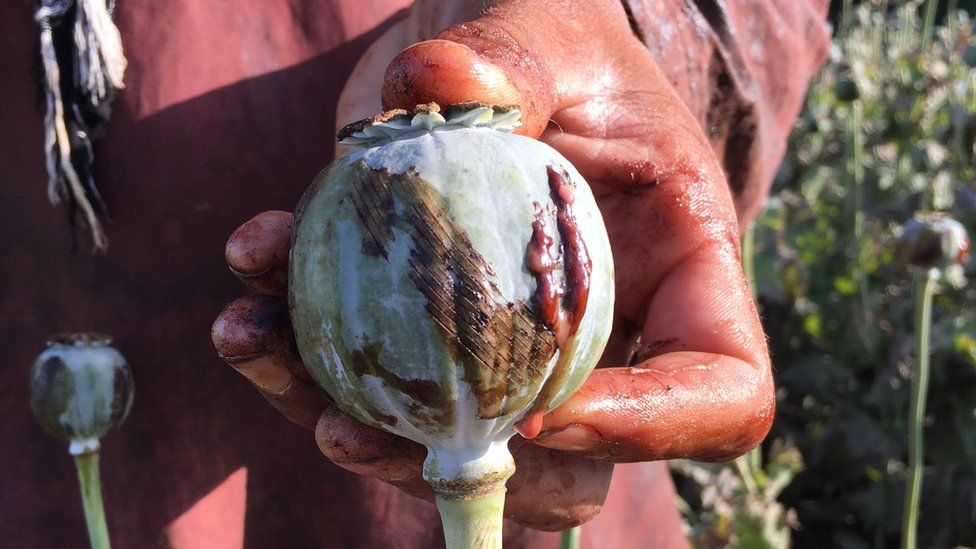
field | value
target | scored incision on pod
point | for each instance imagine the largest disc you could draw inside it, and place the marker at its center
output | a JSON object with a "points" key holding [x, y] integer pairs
{"points": [[450, 282]]}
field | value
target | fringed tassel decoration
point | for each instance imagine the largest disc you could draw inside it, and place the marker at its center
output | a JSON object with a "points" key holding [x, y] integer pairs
{"points": [[77, 109]]}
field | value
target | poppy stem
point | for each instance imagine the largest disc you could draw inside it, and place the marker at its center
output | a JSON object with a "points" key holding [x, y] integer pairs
{"points": [[91, 499], [924, 286]]}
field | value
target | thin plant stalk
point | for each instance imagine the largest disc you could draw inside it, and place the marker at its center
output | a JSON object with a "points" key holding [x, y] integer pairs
{"points": [[906, 31], [881, 31], [748, 257], [91, 499], [743, 467], [931, 6], [846, 15], [686, 511], [570, 539], [749, 464], [754, 458], [952, 19], [924, 287], [855, 139], [972, 88]]}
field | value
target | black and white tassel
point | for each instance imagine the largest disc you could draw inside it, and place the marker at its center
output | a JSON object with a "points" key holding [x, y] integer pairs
{"points": [[81, 52]]}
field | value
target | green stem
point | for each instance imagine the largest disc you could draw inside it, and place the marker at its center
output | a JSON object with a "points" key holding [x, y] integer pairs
{"points": [[924, 284], [741, 464], [930, 8], [972, 90], [857, 167], [755, 461], [473, 523], [91, 499], [855, 137], [846, 14], [750, 463], [570, 539], [686, 511], [748, 257]]}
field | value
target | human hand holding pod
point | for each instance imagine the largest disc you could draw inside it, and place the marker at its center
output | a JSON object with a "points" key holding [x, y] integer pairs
{"points": [[686, 372]]}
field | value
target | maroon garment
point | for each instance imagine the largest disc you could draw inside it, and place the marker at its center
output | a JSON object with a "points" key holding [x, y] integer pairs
{"points": [[228, 111], [742, 67]]}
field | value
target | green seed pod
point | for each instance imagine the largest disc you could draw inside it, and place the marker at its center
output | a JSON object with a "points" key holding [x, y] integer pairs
{"points": [[81, 388], [932, 240], [451, 282], [846, 90]]}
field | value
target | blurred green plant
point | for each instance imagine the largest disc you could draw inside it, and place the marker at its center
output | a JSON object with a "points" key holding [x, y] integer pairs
{"points": [[888, 129]]}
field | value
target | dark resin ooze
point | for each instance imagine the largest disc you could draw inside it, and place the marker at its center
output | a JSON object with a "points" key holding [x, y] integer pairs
{"points": [[561, 303], [503, 347]]}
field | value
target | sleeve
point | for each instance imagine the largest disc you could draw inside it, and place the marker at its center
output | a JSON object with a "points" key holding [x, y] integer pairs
{"points": [[742, 67]]}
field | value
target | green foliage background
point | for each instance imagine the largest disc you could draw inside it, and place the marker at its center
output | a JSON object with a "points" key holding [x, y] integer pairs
{"points": [[838, 306]]}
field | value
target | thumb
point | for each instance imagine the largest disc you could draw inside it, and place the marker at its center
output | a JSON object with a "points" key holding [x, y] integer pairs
{"points": [[523, 53]]}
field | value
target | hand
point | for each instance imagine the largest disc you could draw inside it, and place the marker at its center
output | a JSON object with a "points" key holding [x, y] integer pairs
{"points": [[686, 373]]}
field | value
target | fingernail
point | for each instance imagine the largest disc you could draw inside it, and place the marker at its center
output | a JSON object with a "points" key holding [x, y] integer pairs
{"points": [[572, 438], [264, 372]]}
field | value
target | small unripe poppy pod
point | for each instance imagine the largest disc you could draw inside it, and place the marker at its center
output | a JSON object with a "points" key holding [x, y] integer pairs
{"points": [[80, 389], [846, 89], [932, 240]]}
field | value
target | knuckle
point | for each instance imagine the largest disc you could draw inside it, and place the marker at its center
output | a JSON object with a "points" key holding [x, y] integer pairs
{"points": [[298, 404], [270, 282]]}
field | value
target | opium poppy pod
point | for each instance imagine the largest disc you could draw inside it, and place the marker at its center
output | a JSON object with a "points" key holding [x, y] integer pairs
{"points": [[932, 240], [81, 388], [450, 282]]}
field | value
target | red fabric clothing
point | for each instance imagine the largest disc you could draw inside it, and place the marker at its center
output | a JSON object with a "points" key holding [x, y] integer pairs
{"points": [[742, 67], [228, 111]]}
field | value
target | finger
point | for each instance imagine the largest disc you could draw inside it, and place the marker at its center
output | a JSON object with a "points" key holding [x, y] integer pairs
{"points": [[447, 72], [711, 405], [253, 334], [702, 384], [257, 252], [369, 451], [553, 490], [526, 53]]}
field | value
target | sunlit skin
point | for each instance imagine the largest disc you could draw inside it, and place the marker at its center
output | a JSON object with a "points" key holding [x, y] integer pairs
{"points": [[687, 371]]}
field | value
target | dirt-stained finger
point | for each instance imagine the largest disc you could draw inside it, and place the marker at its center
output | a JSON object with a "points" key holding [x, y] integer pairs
{"points": [[257, 252], [553, 490], [369, 451], [253, 334]]}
